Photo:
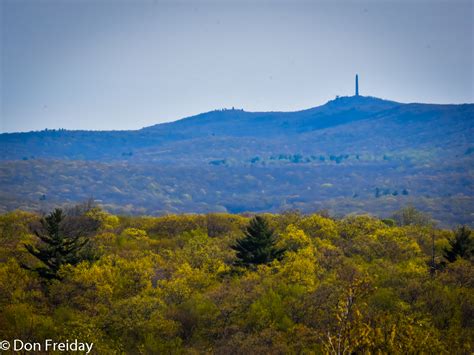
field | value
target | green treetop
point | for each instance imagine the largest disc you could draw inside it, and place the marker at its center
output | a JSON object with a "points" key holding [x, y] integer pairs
{"points": [[64, 241], [461, 246], [259, 244]]}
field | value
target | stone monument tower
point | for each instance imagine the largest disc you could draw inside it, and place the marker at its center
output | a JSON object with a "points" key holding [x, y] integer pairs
{"points": [[357, 85]]}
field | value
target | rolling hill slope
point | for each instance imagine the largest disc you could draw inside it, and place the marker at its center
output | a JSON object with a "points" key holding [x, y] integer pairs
{"points": [[353, 154]]}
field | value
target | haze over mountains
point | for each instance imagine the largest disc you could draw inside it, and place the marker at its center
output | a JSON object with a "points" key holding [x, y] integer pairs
{"points": [[352, 155]]}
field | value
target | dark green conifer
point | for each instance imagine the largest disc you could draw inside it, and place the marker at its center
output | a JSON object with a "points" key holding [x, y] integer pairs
{"points": [[461, 246], [259, 244], [63, 240]]}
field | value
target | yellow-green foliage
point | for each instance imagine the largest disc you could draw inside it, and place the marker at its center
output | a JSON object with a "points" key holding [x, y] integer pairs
{"points": [[166, 285]]}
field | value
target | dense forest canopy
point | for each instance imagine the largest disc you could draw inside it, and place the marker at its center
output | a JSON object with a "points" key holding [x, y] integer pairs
{"points": [[174, 284]]}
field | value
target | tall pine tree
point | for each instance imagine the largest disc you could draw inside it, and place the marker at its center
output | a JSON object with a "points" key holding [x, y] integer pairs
{"points": [[64, 241], [461, 246], [259, 244]]}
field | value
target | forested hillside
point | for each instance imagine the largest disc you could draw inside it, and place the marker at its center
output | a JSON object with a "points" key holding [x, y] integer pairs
{"points": [[351, 155], [236, 284]]}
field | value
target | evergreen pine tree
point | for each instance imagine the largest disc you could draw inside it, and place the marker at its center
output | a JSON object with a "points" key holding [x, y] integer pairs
{"points": [[63, 242], [258, 245], [461, 246]]}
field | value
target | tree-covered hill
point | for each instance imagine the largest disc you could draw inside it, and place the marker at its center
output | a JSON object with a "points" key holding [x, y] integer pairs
{"points": [[273, 127], [353, 154]]}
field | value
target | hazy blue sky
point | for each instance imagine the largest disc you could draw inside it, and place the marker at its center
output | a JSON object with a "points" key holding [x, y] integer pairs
{"points": [[83, 64]]}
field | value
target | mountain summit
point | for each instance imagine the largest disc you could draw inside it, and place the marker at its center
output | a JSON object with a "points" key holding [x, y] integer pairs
{"points": [[232, 122]]}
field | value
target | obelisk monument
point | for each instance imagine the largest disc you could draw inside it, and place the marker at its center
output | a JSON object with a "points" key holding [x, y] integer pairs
{"points": [[357, 85]]}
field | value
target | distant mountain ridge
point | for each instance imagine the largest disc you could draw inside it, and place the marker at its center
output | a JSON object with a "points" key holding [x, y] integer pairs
{"points": [[353, 154], [234, 122], [97, 145]]}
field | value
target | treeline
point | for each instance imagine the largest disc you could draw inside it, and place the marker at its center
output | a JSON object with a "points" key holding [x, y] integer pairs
{"points": [[237, 284]]}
